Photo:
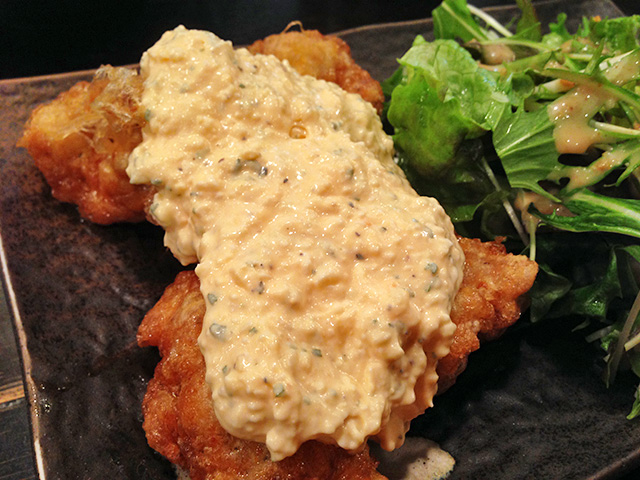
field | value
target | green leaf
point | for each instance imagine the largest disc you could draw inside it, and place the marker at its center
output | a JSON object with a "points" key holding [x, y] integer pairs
{"points": [[634, 360], [414, 109], [621, 154], [618, 34], [450, 70], [548, 288], [528, 26], [453, 19], [525, 144], [593, 300], [635, 410], [633, 164], [558, 33], [442, 99], [461, 189], [629, 259], [534, 63], [602, 80], [593, 212]]}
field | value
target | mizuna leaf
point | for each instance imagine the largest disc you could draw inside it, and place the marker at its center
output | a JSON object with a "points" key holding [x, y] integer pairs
{"points": [[593, 212]]}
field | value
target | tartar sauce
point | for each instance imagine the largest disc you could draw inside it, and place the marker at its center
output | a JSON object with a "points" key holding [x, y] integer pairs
{"points": [[328, 280]]}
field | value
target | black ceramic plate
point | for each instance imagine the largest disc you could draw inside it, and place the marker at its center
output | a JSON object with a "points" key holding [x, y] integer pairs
{"points": [[529, 406]]}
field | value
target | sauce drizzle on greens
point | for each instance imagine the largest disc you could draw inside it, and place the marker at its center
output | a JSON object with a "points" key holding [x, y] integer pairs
{"points": [[533, 132]]}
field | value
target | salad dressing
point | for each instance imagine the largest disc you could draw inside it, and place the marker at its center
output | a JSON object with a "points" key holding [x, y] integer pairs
{"points": [[541, 203], [573, 111], [571, 114], [328, 281], [580, 177]]}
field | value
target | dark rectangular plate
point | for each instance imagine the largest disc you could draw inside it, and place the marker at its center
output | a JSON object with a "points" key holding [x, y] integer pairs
{"points": [[530, 405]]}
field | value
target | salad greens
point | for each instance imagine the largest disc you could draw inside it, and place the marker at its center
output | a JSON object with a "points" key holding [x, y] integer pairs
{"points": [[535, 137]]}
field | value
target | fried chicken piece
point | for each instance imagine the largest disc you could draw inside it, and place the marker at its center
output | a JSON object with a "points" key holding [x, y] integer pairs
{"points": [[81, 143], [178, 412], [490, 299], [179, 418], [324, 57]]}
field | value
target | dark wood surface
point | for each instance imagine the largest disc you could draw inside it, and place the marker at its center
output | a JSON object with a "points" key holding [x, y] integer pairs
{"points": [[38, 38]]}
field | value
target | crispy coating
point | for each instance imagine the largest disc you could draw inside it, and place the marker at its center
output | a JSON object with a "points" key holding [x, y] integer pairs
{"points": [[81, 142], [490, 299], [179, 418], [324, 57]]}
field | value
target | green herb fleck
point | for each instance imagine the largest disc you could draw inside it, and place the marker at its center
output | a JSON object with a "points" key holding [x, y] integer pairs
{"points": [[432, 267], [218, 331], [202, 153], [278, 389]]}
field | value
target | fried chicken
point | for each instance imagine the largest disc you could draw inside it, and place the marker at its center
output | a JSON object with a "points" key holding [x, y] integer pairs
{"points": [[179, 418], [81, 141], [180, 422], [490, 299], [324, 57]]}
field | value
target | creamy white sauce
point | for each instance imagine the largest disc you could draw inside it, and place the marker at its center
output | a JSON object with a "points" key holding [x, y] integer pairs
{"points": [[328, 280]]}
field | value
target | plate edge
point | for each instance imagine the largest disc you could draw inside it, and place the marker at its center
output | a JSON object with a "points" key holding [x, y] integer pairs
{"points": [[25, 361]]}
